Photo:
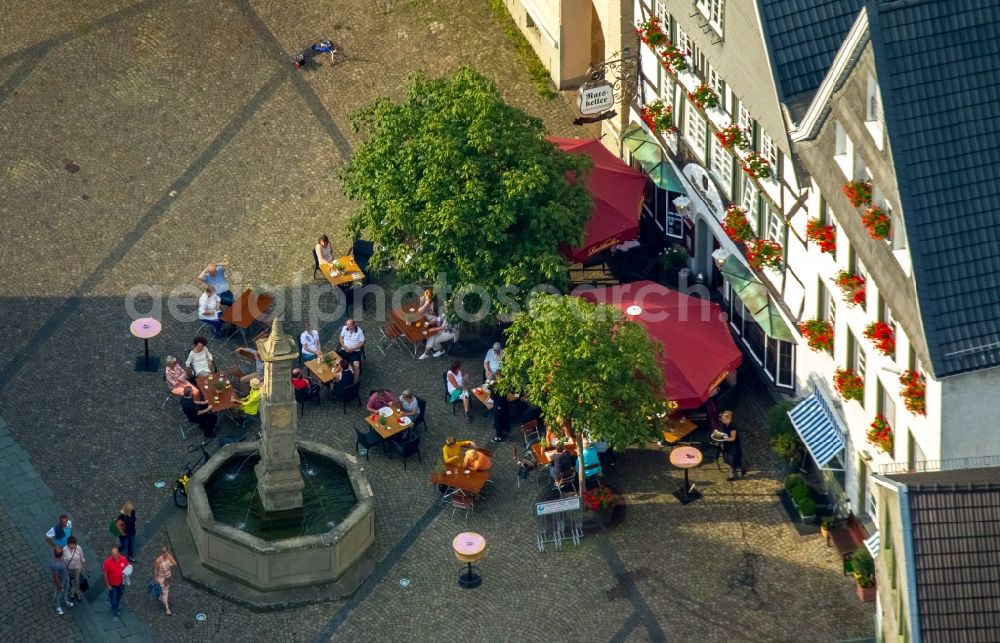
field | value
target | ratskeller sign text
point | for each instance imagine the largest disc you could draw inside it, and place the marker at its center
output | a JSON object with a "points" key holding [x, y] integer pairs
{"points": [[596, 97]]}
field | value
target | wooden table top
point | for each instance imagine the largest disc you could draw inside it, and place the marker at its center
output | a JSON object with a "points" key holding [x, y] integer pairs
{"points": [[247, 309], [227, 397], [392, 426], [351, 271], [457, 478], [679, 430], [412, 326], [543, 456], [321, 371]]}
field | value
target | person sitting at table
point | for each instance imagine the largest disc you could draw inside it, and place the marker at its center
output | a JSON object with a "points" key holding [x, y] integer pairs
{"points": [[352, 341], [199, 360], [562, 462], [209, 309], [427, 306], [250, 405], [491, 364], [345, 378], [552, 437], [379, 399], [305, 389], [477, 461], [457, 390], [199, 412], [451, 452], [591, 459], [324, 253], [408, 404], [177, 378], [435, 342], [310, 343], [251, 355], [214, 275]]}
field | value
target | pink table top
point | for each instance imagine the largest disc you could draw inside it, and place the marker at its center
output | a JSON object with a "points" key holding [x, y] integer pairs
{"points": [[145, 328], [685, 457], [468, 543]]}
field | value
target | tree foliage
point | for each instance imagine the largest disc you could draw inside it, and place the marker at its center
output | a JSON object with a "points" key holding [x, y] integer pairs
{"points": [[453, 180], [587, 364]]}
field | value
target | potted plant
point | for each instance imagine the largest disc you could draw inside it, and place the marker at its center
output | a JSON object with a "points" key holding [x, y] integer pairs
{"points": [[818, 334], [914, 392], [762, 253], [651, 32], [733, 135], [807, 509], [826, 524], [801, 495], [658, 116], [328, 360], [704, 96], [880, 434], [219, 386], [736, 225], [880, 334], [863, 569], [849, 385], [852, 287], [825, 236], [600, 501], [877, 222], [859, 193], [757, 166], [673, 59], [671, 261]]}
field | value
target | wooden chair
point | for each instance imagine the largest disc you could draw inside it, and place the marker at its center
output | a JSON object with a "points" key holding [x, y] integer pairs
{"points": [[530, 431], [567, 479], [460, 500]]}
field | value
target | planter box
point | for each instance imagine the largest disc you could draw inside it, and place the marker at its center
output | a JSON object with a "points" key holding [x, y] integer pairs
{"points": [[866, 594]]}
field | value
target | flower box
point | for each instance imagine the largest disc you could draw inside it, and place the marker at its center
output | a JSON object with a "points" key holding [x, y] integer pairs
{"points": [[877, 222], [818, 334], [913, 392], [757, 166], [651, 32], [823, 235], [658, 116], [852, 286], [733, 136], [763, 253], [859, 193], [673, 59], [881, 335], [736, 225], [849, 385], [704, 96], [880, 434]]}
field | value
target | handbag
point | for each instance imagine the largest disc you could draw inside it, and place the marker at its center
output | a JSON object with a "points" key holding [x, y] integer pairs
{"points": [[113, 528], [154, 589], [84, 583]]}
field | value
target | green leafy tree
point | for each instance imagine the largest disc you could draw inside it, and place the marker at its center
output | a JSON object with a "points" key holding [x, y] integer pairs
{"points": [[454, 182], [588, 365]]}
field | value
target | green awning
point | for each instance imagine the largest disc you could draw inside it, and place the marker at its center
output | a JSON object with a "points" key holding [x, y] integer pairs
{"points": [[650, 156], [755, 298]]}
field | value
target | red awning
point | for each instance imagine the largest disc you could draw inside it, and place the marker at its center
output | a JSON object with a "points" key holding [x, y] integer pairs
{"points": [[617, 190], [698, 351]]}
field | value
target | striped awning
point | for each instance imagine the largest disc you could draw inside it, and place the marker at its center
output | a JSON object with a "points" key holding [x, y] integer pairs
{"points": [[872, 544], [815, 425]]}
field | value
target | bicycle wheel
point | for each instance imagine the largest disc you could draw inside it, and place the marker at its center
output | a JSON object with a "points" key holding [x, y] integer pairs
{"points": [[180, 497]]}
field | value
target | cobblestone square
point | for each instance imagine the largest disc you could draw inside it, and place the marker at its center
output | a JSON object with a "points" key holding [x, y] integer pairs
{"points": [[141, 140]]}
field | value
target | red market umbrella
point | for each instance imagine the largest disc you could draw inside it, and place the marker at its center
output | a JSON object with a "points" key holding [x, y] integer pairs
{"points": [[617, 190], [698, 351]]}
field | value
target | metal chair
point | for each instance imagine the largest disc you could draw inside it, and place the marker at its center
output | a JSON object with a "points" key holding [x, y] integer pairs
{"points": [[406, 448], [390, 337], [460, 500], [530, 432], [521, 465], [566, 479], [368, 440]]}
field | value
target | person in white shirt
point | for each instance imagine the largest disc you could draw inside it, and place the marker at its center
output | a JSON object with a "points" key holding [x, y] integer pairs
{"points": [[491, 365], [214, 275], [199, 359], [352, 340], [324, 252], [309, 339], [435, 342], [209, 309]]}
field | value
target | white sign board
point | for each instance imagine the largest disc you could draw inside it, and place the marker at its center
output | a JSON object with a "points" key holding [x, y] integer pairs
{"points": [[596, 97], [557, 506]]}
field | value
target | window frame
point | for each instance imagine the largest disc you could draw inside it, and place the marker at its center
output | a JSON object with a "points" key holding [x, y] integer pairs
{"points": [[694, 120], [843, 152], [714, 11], [722, 167], [752, 205]]}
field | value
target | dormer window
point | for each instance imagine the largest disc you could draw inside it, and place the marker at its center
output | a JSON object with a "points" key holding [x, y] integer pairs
{"points": [[873, 112]]}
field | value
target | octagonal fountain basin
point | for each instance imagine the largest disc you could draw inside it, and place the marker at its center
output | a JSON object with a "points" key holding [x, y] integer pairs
{"points": [[234, 538]]}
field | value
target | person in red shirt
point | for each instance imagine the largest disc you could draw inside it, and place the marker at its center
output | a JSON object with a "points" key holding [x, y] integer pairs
{"points": [[305, 389], [114, 571]]}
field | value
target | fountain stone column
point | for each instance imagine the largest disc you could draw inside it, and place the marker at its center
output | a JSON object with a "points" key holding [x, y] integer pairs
{"points": [[278, 475]]}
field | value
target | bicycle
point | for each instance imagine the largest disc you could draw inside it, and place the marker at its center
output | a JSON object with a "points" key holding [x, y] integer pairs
{"points": [[181, 485]]}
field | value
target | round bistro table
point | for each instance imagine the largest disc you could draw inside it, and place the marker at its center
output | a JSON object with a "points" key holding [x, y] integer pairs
{"points": [[146, 328], [686, 458], [469, 547]]}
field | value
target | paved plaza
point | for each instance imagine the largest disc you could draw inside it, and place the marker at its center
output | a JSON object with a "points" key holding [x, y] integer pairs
{"points": [[141, 140]]}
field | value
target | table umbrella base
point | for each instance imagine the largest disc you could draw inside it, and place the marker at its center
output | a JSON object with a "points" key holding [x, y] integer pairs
{"points": [[469, 579], [685, 498], [145, 364]]}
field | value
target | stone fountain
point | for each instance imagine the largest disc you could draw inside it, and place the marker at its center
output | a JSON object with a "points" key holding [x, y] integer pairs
{"points": [[282, 536]]}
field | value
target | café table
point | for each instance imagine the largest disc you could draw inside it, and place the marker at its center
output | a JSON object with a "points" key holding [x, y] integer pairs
{"points": [[223, 401], [349, 271], [544, 455], [686, 458], [245, 310], [679, 429], [469, 547], [413, 326], [145, 329], [325, 374], [460, 478], [394, 424]]}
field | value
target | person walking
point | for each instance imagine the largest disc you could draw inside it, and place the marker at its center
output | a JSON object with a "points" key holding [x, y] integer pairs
{"points": [[60, 580], [126, 527], [732, 444], [114, 579], [59, 533], [161, 574], [75, 566]]}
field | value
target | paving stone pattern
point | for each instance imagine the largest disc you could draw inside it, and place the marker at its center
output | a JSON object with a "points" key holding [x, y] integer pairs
{"points": [[138, 141]]}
